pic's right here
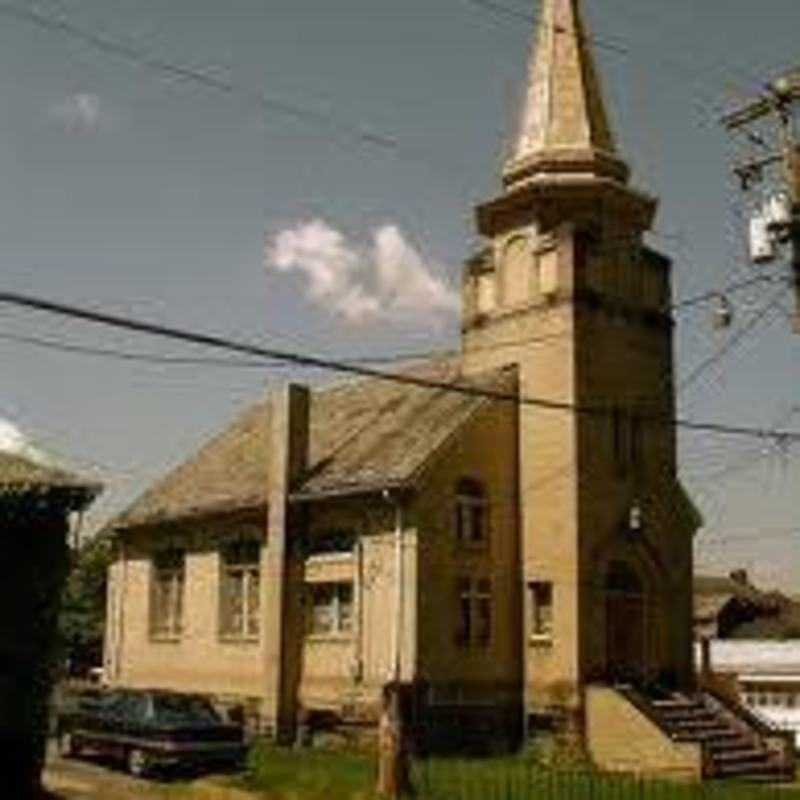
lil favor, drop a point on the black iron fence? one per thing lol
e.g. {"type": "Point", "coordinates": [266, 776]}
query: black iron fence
{"type": "Point", "coordinates": [521, 779]}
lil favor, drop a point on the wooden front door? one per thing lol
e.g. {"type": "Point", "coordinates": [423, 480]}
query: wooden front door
{"type": "Point", "coordinates": [626, 643]}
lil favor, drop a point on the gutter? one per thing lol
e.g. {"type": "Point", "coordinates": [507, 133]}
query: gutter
{"type": "Point", "coordinates": [354, 490]}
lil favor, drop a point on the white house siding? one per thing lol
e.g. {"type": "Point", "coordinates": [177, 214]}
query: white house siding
{"type": "Point", "coordinates": [768, 674]}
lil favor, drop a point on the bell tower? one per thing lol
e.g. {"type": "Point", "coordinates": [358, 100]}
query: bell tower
{"type": "Point", "coordinates": [566, 288]}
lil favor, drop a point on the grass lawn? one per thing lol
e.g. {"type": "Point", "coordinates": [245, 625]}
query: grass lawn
{"type": "Point", "coordinates": [280, 774]}
{"type": "Point", "coordinates": [310, 774]}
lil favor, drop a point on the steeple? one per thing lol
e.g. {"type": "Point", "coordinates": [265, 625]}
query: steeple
{"type": "Point", "coordinates": [564, 125]}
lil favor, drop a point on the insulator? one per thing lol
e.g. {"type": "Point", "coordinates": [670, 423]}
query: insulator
{"type": "Point", "coordinates": [722, 316]}
{"type": "Point", "coordinates": [762, 244]}
{"type": "Point", "coordinates": [778, 213]}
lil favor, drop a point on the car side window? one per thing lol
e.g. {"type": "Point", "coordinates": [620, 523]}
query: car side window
{"type": "Point", "coordinates": [134, 707]}
{"type": "Point", "coordinates": [110, 703]}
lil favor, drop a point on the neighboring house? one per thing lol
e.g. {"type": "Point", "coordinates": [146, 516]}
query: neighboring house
{"type": "Point", "coordinates": [733, 608]}
{"type": "Point", "coordinates": [500, 546]}
{"type": "Point", "coordinates": [36, 501]}
{"type": "Point", "coordinates": [765, 675]}
{"type": "Point", "coordinates": [752, 646]}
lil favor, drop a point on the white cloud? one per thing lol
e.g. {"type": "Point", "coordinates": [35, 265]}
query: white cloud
{"type": "Point", "coordinates": [14, 441]}
{"type": "Point", "coordinates": [386, 280]}
{"type": "Point", "coordinates": [79, 113]}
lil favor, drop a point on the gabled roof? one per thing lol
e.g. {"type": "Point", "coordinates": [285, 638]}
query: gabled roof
{"type": "Point", "coordinates": [364, 435]}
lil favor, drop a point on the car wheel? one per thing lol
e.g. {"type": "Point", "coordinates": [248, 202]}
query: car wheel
{"type": "Point", "coordinates": [137, 762]}
{"type": "Point", "coordinates": [67, 745]}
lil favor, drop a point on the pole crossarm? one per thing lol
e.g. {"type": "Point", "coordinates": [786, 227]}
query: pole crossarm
{"type": "Point", "coordinates": [780, 94]}
{"type": "Point", "coordinates": [750, 113]}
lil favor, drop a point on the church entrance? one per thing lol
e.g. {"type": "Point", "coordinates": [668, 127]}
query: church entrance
{"type": "Point", "coordinates": [626, 615]}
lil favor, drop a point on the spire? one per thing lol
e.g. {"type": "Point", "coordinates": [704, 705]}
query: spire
{"type": "Point", "coordinates": [564, 125]}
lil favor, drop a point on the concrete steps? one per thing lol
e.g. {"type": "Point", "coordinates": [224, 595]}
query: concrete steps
{"type": "Point", "coordinates": [733, 749]}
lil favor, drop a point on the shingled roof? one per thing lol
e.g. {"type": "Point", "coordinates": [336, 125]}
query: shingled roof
{"type": "Point", "coordinates": [364, 435]}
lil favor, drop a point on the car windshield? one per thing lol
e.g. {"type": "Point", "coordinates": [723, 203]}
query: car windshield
{"type": "Point", "coordinates": [184, 710]}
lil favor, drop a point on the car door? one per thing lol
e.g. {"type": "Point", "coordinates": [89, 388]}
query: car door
{"type": "Point", "coordinates": [95, 722]}
{"type": "Point", "coordinates": [133, 721]}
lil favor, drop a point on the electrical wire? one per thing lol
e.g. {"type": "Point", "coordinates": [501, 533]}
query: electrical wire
{"type": "Point", "coordinates": [135, 55]}
{"type": "Point", "coordinates": [513, 13]}
{"type": "Point", "coordinates": [153, 358]}
{"type": "Point", "coordinates": [301, 359]}
{"type": "Point", "coordinates": [729, 345]}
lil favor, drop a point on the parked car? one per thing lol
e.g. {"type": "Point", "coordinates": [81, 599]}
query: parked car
{"type": "Point", "coordinates": [149, 730]}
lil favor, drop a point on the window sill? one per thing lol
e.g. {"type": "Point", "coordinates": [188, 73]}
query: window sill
{"type": "Point", "coordinates": [165, 638]}
{"type": "Point", "coordinates": [541, 639]}
{"type": "Point", "coordinates": [325, 558]}
{"type": "Point", "coordinates": [330, 638]}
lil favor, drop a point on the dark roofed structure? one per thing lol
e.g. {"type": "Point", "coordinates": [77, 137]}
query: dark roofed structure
{"type": "Point", "coordinates": [36, 499]}
{"type": "Point", "coordinates": [365, 435]}
{"type": "Point", "coordinates": [20, 474]}
{"type": "Point", "coordinates": [29, 486]}
{"type": "Point", "coordinates": [733, 608]}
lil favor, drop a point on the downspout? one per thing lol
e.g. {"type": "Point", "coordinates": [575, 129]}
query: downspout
{"type": "Point", "coordinates": [396, 670]}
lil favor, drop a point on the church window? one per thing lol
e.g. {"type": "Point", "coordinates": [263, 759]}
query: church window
{"type": "Point", "coordinates": [240, 590]}
{"type": "Point", "coordinates": [627, 431]}
{"type": "Point", "coordinates": [166, 594]}
{"type": "Point", "coordinates": [541, 598]}
{"type": "Point", "coordinates": [474, 612]}
{"type": "Point", "coordinates": [471, 513]}
{"type": "Point", "coordinates": [331, 608]}
{"type": "Point", "coordinates": [547, 270]}
{"type": "Point", "coordinates": [517, 266]}
{"type": "Point", "coordinates": [486, 293]}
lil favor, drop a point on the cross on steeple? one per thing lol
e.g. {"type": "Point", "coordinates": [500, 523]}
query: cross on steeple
{"type": "Point", "coordinates": [564, 125]}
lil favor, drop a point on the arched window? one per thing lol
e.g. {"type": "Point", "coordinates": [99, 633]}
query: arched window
{"type": "Point", "coordinates": [517, 268]}
{"type": "Point", "coordinates": [471, 513]}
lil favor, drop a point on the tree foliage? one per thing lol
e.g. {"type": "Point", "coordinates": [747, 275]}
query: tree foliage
{"type": "Point", "coordinates": [83, 608]}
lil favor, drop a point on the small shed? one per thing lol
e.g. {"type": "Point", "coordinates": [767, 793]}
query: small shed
{"type": "Point", "coordinates": [36, 501]}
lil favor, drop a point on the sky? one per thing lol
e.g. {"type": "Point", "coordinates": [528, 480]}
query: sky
{"type": "Point", "coordinates": [333, 218]}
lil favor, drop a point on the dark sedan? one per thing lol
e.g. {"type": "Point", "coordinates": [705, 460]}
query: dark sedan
{"type": "Point", "coordinates": [150, 729]}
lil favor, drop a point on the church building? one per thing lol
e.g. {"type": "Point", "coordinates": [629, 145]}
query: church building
{"type": "Point", "coordinates": [503, 528]}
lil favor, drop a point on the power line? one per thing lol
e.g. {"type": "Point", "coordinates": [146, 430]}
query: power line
{"type": "Point", "coordinates": [733, 288]}
{"type": "Point", "coordinates": [499, 9]}
{"type": "Point", "coordinates": [729, 345]}
{"type": "Point", "coordinates": [513, 13]}
{"type": "Point", "coordinates": [137, 56]}
{"type": "Point", "coordinates": [300, 359]}
{"type": "Point", "coordinates": [153, 358]}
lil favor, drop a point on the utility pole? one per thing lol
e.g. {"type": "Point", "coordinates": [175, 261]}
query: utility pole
{"type": "Point", "coordinates": [768, 122]}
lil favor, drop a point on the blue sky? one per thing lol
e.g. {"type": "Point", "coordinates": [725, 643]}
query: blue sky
{"type": "Point", "coordinates": [154, 196]}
